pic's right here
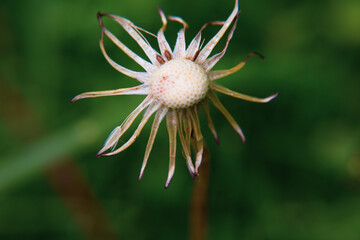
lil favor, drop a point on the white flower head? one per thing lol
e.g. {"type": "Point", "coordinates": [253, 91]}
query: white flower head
{"type": "Point", "coordinates": [176, 83]}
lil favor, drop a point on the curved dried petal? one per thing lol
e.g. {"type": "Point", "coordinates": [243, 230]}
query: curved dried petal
{"type": "Point", "coordinates": [179, 50]}
{"type": "Point", "coordinates": [112, 139]}
{"type": "Point", "coordinates": [179, 20]}
{"type": "Point", "coordinates": [199, 141]}
{"type": "Point", "coordinates": [151, 109]}
{"type": "Point", "coordinates": [134, 33]}
{"type": "Point", "coordinates": [186, 120]}
{"type": "Point", "coordinates": [163, 19]}
{"type": "Point", "coordinates": [210, 123]}
{"type": "Point", "coordinates": [141, 76]}
{"type": "Point", "coordinates": [210, 63]}
{"type": "Point", "coordinates": [180, 45]}
{"type": "Point", "coordinates": [186, 150]}
{"type": "Point", "coordinates": [193, 46]}
{"type": "Point", "coordinates": [171, 122]}
{"type": "Point", "coordinates": [231, 93]}
{"type": "Point", "coordinates": [145, 64]}
{"type": "Point", "coordinates": [158, 118]}
{"type": "Point", "coordinates": [205, 52]}
{"type": "Point", "coordinates": [214, 99]}
{"type": "Point", "coordinates": [127, 123]}
{"type": "Point", "coordinates": [193, 50]}
{"type": "Point", "coordinates": [163, 44]}
{"type": "Point", "coordinates": [138, 90]}
{"type": "Point", "coordinates": [223, 73]}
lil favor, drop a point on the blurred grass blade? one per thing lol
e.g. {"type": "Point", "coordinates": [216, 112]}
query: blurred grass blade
{"type": "Point", "coordinates": [47, 151]}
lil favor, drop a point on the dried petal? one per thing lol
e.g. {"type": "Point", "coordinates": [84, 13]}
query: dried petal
{"type": "Point", "coordinates": [171, 122]}
{"type": "Point", "coordinates": [210, 63]}
{"type": "Point", "coordinates": [163, 44]}
{"type": "Point", "coordinates": [231, 93]}
{"type": "Point", "coordinates": [214, 99]}
{"type": "Point", "coordinates": [128, 121]}
{"type": "Point", "coordinates": [158, 118]}
{"type": "Point", "coordinates": [223, 73]}
{"type": "Point", "coordinates": [138, 90]}
{"type": "Point", "coordinates": [199, 141]}
{"type": "Point", "coordinates": [145, 64]}
{"type": "Point", "coordinates": [210, 123]}
{"type": "Point", "coordinates": [134, 33]}
{"type": "Point", "coordinates": [151, 109]}
{"type": "Point", "coordinates": [180, 45]}
{"type": "Point", "coordinates": [205, 52]}
{"type": "Point", "coordinates": [186, 150]}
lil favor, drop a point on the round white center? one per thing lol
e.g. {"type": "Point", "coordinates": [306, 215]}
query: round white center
{"type": "Point", "coordinates": [179, 83]}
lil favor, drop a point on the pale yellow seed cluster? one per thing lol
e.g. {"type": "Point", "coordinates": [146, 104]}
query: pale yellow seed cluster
{"type": "Point", "coordinates": [179, 83]}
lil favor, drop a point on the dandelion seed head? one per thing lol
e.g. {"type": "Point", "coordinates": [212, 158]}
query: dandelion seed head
{"type": "Point", "coordinates": [179, 83]}
{"type": "Point", "coordinates": [176, 84]}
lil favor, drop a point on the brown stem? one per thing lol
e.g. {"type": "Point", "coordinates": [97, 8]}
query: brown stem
{"type": "Point", "coordinates": [71, 186]}
{"type": "Point", "coordinates": [199, 200]}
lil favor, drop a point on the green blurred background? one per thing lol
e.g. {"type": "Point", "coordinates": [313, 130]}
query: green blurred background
{"type": "Point", "coordinates": [296, 177]}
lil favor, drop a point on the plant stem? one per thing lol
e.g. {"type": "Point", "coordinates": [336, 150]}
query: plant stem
{"type": "Point", "coordinates": [199, 200]}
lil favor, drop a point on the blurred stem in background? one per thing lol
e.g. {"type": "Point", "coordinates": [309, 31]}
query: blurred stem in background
{"type": "Point", "coordinates": [64, 176]}
{"type": "Point", "coordinates": [199, 200]}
